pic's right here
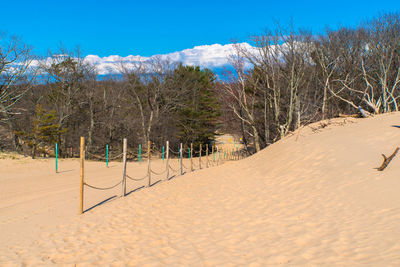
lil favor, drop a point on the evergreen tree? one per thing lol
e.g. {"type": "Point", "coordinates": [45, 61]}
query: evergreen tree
{"type": "Point", "coordinates": [199, 109]}
{"type": "Point", "coordinates": [45, 131]}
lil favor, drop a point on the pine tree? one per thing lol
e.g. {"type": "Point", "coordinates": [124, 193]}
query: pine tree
{"type": "Point", "coordinates": [45, 131]}
{"type": "Point", "coordinates": [197, 116]}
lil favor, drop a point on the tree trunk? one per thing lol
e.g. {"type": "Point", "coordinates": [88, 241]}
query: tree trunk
{"type": "Point", "coordinates": [246, 145]}
{"type": "Point", "coordinates": [256, 138]}
{"type": "Point", "coordinates": [91, 127]}
{"type": "Point", "coordinates": [266, 126]}
{"type": "Point", "coordinates": [324, 100]}
{"type": "Point", "coordinates": [298, 113]}
{"type": "Point", "coordinates": [33, 151]}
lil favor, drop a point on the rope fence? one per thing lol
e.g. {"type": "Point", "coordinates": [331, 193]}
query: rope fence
{"type": "Point", "coordinates": [103, 188]}
{"type": "Point", "coordinates": [216, 158]}
{"type": "Point", "coordinates": [138, 179]}
{"type": "Point", "coordinates": [104, 158]}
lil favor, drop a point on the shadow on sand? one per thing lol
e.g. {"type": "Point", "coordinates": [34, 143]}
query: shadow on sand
{"type": "Point", "coordinates": [65, 171]}
{"type": "Point", "coordinates": [128, 193]}
{"type": "Point", "coordinates": [100, 203]}
{"type": "Point", "coordinates": [134, 190]}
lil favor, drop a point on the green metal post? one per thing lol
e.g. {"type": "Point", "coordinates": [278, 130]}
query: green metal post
{"type": "Point", "coordinates": [163, 153]}
{"type": "Point", "coordinates": [56, 157]}
{"type": "Point", "coordinates": [107, 155]}
{"type": "Point", "coordinates": [140, 152]}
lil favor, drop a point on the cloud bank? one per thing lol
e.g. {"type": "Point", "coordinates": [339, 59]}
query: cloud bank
{"type": "Point", "coordinates": [206, 56]}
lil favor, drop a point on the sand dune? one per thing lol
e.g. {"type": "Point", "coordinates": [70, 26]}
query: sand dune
{"type": "Point", "coordinates": [313, 198]}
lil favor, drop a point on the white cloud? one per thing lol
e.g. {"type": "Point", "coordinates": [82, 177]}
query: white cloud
{"type": "Point", "coordinates": [207, 56]}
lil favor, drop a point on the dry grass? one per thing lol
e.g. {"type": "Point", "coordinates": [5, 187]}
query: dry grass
{"type": "Point", "coordinates": [11, 155]}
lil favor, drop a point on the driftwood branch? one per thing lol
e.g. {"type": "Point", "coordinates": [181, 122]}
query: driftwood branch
{"type": "Point", "coordinates": [386, 160]}
{"type": "Point", "coordinates": [349, 115]}
{"type": "Point", "coordinates": [364, 113]}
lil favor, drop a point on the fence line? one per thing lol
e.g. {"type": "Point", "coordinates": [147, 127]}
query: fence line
{"type": "Point", "coordinates": [215, 161]}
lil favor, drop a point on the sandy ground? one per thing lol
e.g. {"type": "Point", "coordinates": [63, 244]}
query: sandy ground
{"type": "Point", "coordinates": [313, 198]}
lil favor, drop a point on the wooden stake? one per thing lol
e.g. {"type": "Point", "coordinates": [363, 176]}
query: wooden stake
{"type": "Point", "coordinates": [216, 152]}
{"type": "Point", "coordinates": [125, 144]}
{"type": "Point", "coordinates": [148, 161]}
{"type": "Point", "coordinates": [212, 152]}
{"type": "Point", "coordinates": [82, 161]}
{"type": "Point", "coordinates": [207, 156]}
{"type": "Point", "coordinates": [191, 157]}
{"type": "Point", "coordinates": [200, 156]}
{"type": "Point", "coordinates": [167, 165]}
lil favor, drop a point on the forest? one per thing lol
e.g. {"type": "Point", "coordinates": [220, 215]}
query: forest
{"type": "Point", "coordinates": [289, 78]}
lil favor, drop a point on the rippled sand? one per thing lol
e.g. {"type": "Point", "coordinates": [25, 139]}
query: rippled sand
{"type": "Point", "coordinates": [313, 198]}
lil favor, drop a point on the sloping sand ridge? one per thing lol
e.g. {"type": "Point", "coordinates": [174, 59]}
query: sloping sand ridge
{"type": "Point", "coordinates": [313, 198]}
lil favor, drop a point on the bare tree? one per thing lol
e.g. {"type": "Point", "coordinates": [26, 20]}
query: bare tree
{"type": "Point", "coordinates": [325, 55]}
{"type": "Point", "coordinates": [380, 62]}
{"type": "Point", "coordinates": [66, 73]}
{"type": "Point", "coordinates": [239, 96]}
{"type": "Point", "coordinates": [368, 65]}
{"type": "Point", "coordinates": [145, 84]}
{"type": "Point", "coordinates": [280, 62]}
{"type": "Point", "coordinates": [15, 81]}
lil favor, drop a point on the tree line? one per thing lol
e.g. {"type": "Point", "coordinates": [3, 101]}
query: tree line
{"type": "Point", "coordinates": [286, 79]}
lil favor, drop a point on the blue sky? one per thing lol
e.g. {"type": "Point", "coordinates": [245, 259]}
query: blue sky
{"type": "Point", "coordinates": [157, 27]}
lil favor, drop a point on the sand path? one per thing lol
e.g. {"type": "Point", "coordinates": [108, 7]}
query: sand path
{"type": "Point", "coordinates": [310, 199]}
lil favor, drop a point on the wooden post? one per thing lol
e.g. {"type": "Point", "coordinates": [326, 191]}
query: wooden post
{"type": "Point", "coordinates": [148, 162]}
{"type": "Point", "coordinates": [212, 152]}
{"type": "Point", "coordinates": [167, 165]}
{"type": "Point", "coordinates": [124, 146]}
{"type": "Point", "coordinates": [207, 156]}
{"type": "Point", "coordinates": [200, 156]}
{"type": "Point", "coordinates": [218, 155]}
{"type": "Point", "coordinates": [191, 157]}
{"type": "Point", "coordinates": [82, 173]}
{"type": "Point", "coordinates": [180, 153]}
